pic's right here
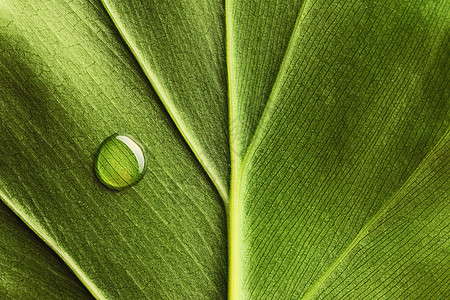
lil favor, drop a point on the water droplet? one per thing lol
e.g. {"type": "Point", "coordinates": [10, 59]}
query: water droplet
{"type": "Point", "coordinates": [120, 162]}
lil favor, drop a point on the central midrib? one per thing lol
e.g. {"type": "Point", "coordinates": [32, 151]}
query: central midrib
{"type": "Point", "coordinates": [237, 163]}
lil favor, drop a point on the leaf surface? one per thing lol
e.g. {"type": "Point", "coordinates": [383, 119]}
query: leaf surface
{"type": "Point", "coordinates": [258, 37]}
{"type": "Point", "coordinates": [181, 48]}
{"type": "Point", "coordinates": [360, 100]}
{"type": "Point", "coordinates": [30, 269]}
{"type": "Point", "coordinates": [70, 82]}
{"type": "Point", "coordinates": [333, 116]}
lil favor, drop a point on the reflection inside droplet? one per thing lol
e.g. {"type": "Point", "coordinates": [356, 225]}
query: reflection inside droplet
{"type": "Point", "coordinates": [120, 162]}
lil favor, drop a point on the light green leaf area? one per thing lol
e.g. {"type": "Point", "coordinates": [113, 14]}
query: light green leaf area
{"type": "Point", "coordinates": [295, 149]}
{"type": "Point", "coordinates": [361, 98]}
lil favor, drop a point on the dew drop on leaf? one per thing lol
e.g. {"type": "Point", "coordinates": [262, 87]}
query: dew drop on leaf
{"type": "Point", "coordinates": [120, 162]}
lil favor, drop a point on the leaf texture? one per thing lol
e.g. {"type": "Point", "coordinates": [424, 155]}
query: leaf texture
{"type": "Point", "coordinates": [258, 36]}
{"type": "Point", "coordinates": [361, 99]}
{"type": "Point", "coordinates": [30, 269]}
{"type": "Point", "coordinates": [70, 83]}
{"type": "Point", "coordinates": [318, 129]}
{"type": "Point", "coordinates": [181, 48]}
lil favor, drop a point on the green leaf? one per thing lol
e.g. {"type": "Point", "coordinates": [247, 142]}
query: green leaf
{"type": "Point", "coordinates": [324, 125]}
{"type": "Point", "coordinates": [258, 36]}
{"type": "Point", "coordinates": [70, 82]}
{"type": "Point", "coordinates": [360, 100]}
{"type": "Point", "coordinates": [29, 268]}
{"type": "Point", "coordinates": [192, 84]}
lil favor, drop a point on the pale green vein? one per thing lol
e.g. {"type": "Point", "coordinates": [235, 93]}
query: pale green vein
{"type": "Point", "coordinates": [363, 232]}
{"type": "Point", "coordinates": [234, 273]}
{"type": "Point", "coordinates": [168, 104]}
{"type": "Point", "coordinates": [276, 85]}
{"type": "Point", "coordinates": [84, 278]}
{"type": "Point", "coordinates": [238, 165]}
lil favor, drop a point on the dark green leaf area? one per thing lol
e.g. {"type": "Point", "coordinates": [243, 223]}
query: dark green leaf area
{"type": "Point", "coordinates": [29, 268]}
